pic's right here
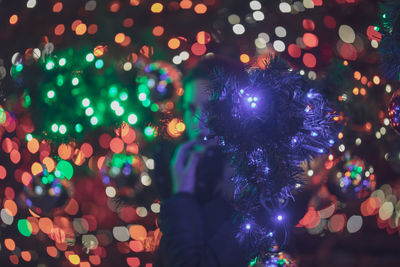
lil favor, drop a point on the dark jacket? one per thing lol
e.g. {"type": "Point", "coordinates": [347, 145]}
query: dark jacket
{"type": "Point", "coordinates": [198, 236]}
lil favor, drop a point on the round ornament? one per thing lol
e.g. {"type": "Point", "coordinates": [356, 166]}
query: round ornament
{"type": "Point", "coordinates": [394, 111]}
{"type": "Point", "coordinates": [352, 178]}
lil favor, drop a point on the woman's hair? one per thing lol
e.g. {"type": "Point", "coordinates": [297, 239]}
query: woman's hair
{"type": "Point", "coordinates": [206, 68]}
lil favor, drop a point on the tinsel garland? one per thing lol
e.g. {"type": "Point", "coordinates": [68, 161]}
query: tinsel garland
{"type": "Point", "coordinates": [268, 124]}
{"type": "Point", "coordinates": [390, 45]}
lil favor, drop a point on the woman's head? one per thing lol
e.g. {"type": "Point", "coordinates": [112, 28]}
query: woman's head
{"type": "Point", "coordinates": [196, 84]}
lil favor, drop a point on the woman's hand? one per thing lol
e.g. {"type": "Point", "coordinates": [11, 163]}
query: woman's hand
{"type": "Point", "coordinates": [183, 166]}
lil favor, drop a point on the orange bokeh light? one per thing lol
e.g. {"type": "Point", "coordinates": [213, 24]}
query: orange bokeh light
{"type": "Point", "coordinates": [57, 7]}
{"type": "Point", "coordinates": [99, 50]}
{"type": "Point", "coordinates": [174, 43]}
{"type": "Point", "coordinates": [26, 178]}
{"type": "Point", "coordinates": [13, 19]}
{"type": "Point", "coordinates": [156, 8]}
{"type": "Point", "coordinates": [65, 151]}
{"type": "Point", "coordinates": [203, 37]}
{"type": "Point", "coordinates": [15, 156]}
{"type": "Point", "coordinates": [198, 49]}
{"type": "Point", "coordinates": [200, 8]}
{"type": "Point", "coordinates": [81, 29]}
{"type": "Point", "coordinates": [128, 22]}
{"type": "Point", "coordinates": [87, 150]}
{"type": "Point", "coordinates": [92, 29]}
{"type": "Point", "coordinates": [158, 30]}
{"type": "Point", "coordinates": [45, 225]}
{"type": "Point", "coordinates": [116, 145]}
{"type": "Point", "coordinates": [26, 256]}
{"type": "Point", "coordinates": [185, 4]}
{"type": "Point", "coordinates": [119, 38]}
{"type": "Point", "coordinates": [59, 29]}
{"type": "Point", "coordinates": [10, 207]}
{"type": "Point", "coordinates": [49, 163]}
{"type": "Point", "coordinates": [310, 39]}
{"type": "Point", "coordinates": [36, 168]}
{"type": "Point", "coordinates": [376, 79]}
{"type": "Point", "coordinates": [244, 58]}
{"type": "Point", "coordinates": [33, 145]}
{"type": "Point", "coordinates": [52, 251]}
{"type": "Point", "coordinates": [3, 172]}
{"type": "Point", "coordinates": [114, 7]}
{"type": "Point", "coordinates": [9, 244]}
{"type": "Point", "coordinates": [309, 60]}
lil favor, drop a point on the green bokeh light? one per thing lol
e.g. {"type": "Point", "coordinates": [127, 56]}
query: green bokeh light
{"type": "Point", "coordinates": [154, 107]}
{"type": "Point", "coordinates": [85, 102]}
{"type": "Point", "coordinates": [3, 115]}
{"type": "Point", "coordinates": [28, 101]}
{"type": "Point", "coordinates": [78, 128]}
{"type": "Point", "coordinates": [146, 103]}
{"type": "Point", "coordinates": [75, 81]}
{"type": "Point", "coordinates": [114, 105]}
{"type": "Point", "coordinates": [50, 178]}
{"type": "Point", "coordinates": [89, 57]}
{"type": "Point", "coordinates": [19, 67]}
{"type": "Point", "coordinates": [142, 96]}
{"type": "Point", "coordinates": [45, 180]}
{"type": "Point", "coordinates": [65, 168]}
{"type": "Point", "coordinates": [132, 118]}
{"type": "Point", "coordinates": [28, 137]}
{"type": "Point", "coordinates": [94, 120]}
{"type": "Point", "coordinates": [149, 131]}
{"type": "Point", "coordinates": [24, 227]}
{"type": "Point", "coordinates": [89, 111]}
{"type": "Point", "coordinates": [99, 64]}
{"type": "Point", "coordinates": [50, 65]}
{"type": "Point", "coordinates": [51, 94]}
{"type": "Point", "coordinates": [62, 129]}
{"type": "Point", "coordinates": [119, 111]}
{"type": "Point", "coordinates": [54, 127]}
{"type": "Point", "coordinates": [62, 62]}
{"type": "Point", "coordinates": [112, 91]}
{"type": "Point", "coordinates": [123, 96]}
{"type": "Point", "coordinates": [60, 80]}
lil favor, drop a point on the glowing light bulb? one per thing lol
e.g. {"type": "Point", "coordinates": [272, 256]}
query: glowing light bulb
{"type": "Point", "coordinates": [50, 65]}
{"type": "Point", "coordinates": [85, 102]}
{"type": "Point", "coordinates": [142, 97]}
{"type": "Point", "coordinates": [89, 111]}
{"type": "Point", "coordinates": [94, 120]}
{"type": "Point", "coordinates": [62, 129]}
{"type": "Point", "coordinates": [62, 62]}
{"type": "Point", "coordinates": [132, 118]}
{"type": "Point", "coordinates": [75, 81]}
{"type": "Point", "coordinates": [51, 94]}
{"type": "Point", "coordinates": [89, 57]}
{"type": "Point", "coordinates": [54, 127]}
{"type": "Point", "coordinates": [114, 105]}
{"type": "Point", "coordinates": [99, 64]}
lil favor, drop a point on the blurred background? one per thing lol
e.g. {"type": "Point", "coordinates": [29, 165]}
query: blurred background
{"type": "Point", "coordinates": [91, 114]}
